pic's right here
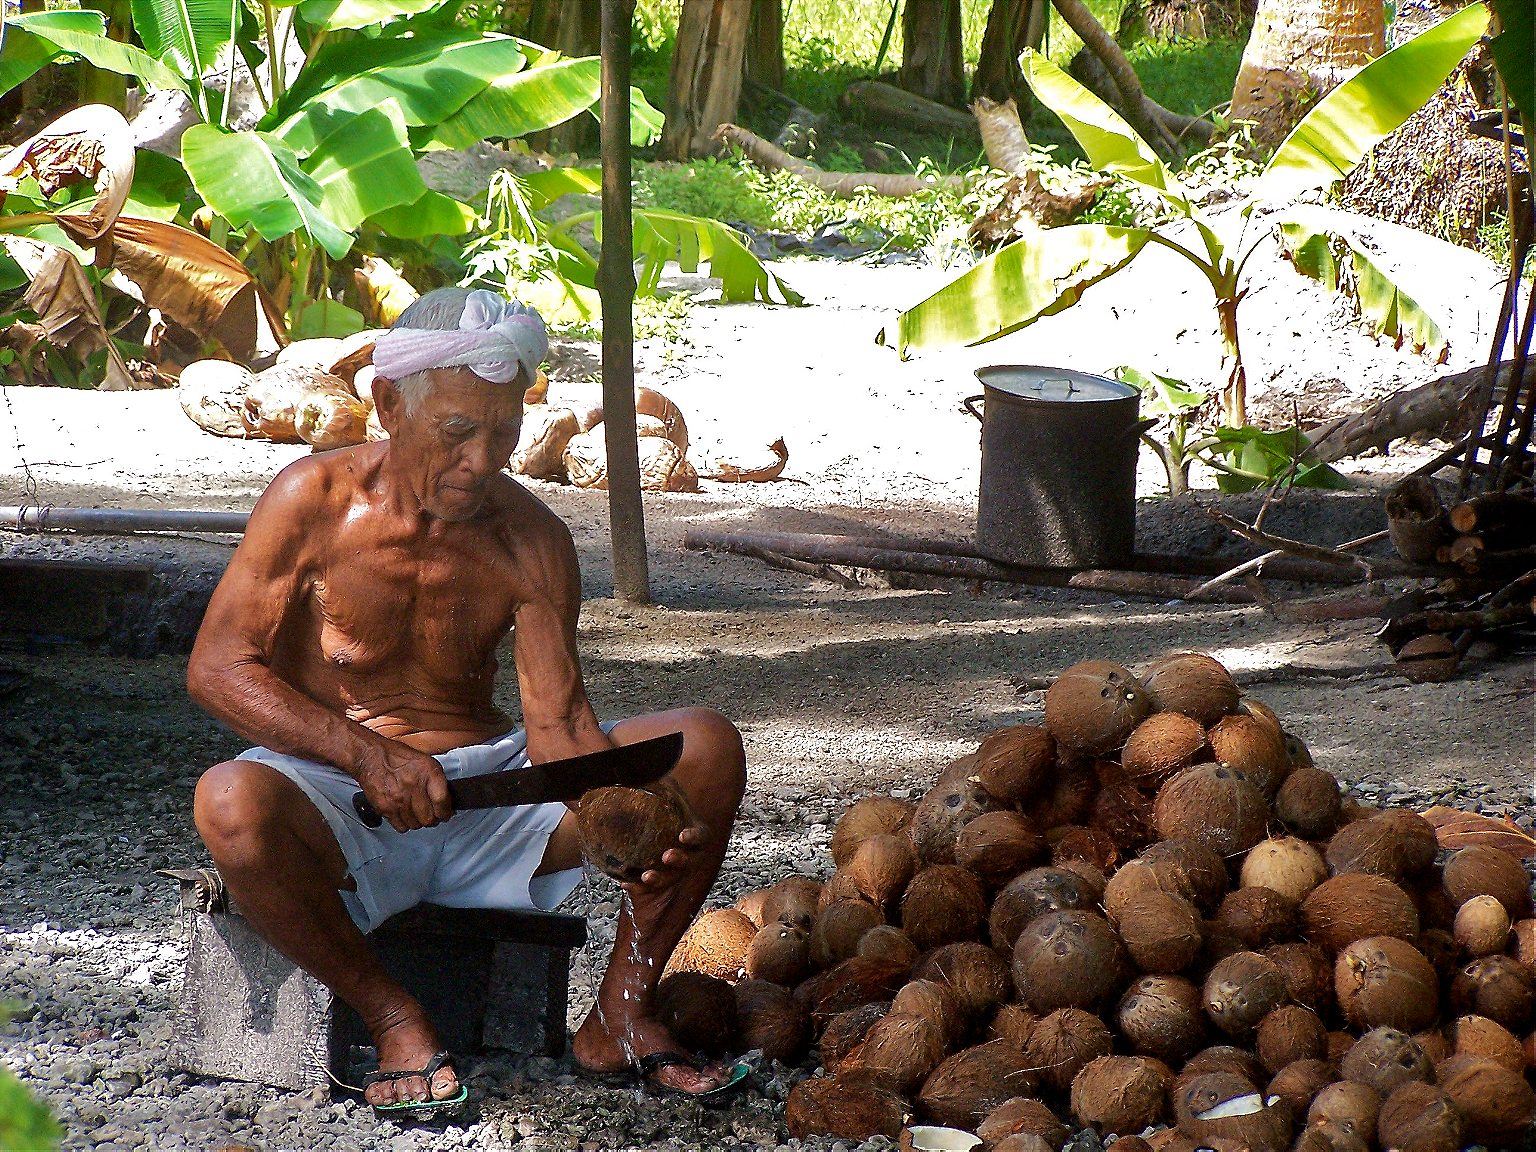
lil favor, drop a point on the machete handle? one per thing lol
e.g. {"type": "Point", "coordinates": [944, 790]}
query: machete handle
{"type": "Point", "coordinates": [365, 811]}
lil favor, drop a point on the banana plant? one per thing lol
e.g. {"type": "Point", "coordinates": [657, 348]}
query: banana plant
{"type": "Point", "coordinates": [1046, 273]}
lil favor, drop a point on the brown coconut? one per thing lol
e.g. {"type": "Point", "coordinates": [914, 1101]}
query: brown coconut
{"type": "Point", "coordinates": [1240, 991]}
{"type": "Point", "coordinates": [1524, 945]}
{"type": "Point", "coordinates": [977, 974]}
{"type": "Point", "coordinates": [899, 1050]}
{"type": "Point", "coordinates": [1497, 1106]}
{"type": "Point", "coordinates": [1382, 981]}
{"type": "Point", "coordinates": [1484, 1038]}
{"type": "Point", "coordinates": [1161, 932]}
{"type": "Point", "coordinates": [1221, 1106]}
{"type": "Point", "coordinates": [792, 900]}
{"type": "Point", "coordinates": [1123, 814]}
{"type": "Point", "coordinates": [1073, 786]}
{"type": "Point", "coordinates": [1063, 1043]}
{"type": "Point", "coordinates": [871, 816]}
{"type": "Point", "coordinates": [839, 886]}
{"type": "Point", "coordinates": [1130, 880]}
{"type": "Point", "coordinates": [1483, 870]}
{"type": "Point", "coordinates": [1094, 705]}
{"type": "Point", "coordinates": [971, 1083]}
{"type": "Point", "coordinates": [716, 944]}
{"type": "Point", "coordinates": [1284, 864]}
{"type": "Point", "coordinates": [1307, 972]}
{"type": "Point", "coordinates": [1329, 1137]}
{"type": "Point", "coordinates": [836, 933]}
{"type": "Point", "coordinates": [934, 1001]}
{"type": "Point", "coordinates": [1395, 844]}
{"type": "Point", "coordinates": [1309, 803]}
{"type": "Point", "coordinates": [1356, 905]}
{"type": "Point", "coordinates": [750, 904]}
{"type": "Point", "coordinates": [1121, 1093]}
{"type": "Point", "coordinates": [846, 1031]}
{"type": "Point", "coordinates": [1214, 806]}
{"type": "Point", "coordinates": [1189, 869]}
{"type": "Point", "coordinates": [769, 1020]}
{"type": "Point", "coordinates": [1249, 706]}
{"type": "Point", "coordinates": [1095, 877]}
{"type": "Point", "coordinates": [1255, 917]}
{"type": "Point", "coordinates": [1290, 1033]}
{"type": "Point", "coordinates": [1252, 747]}
{"type": "Point", "coordinates": [943, 811]}
{"type": "Point", "coordinates": [1481, 926]}
{"type": "Point", "coordinates": [1077, 844]}
{"type": "Point", "coordinates": [1162, 1016]}
{"type": "Point", "coordinates": [1034, 893]}
{"type": "Point", "coordinates": [780, 954]}
{"type": "Point", "coordinates": [699, 1011]}
{"type": "Point", "coordinates": [1440, 949]}
{"type": "Point", "coordinates": [997, 846]}
{"type": "Point", "coordinates": [1383, 1059]}
{"type": "Point", "coordinates": [1347, 1103]}
{"type": "Point", "coordinates": [1021, 1142]}
{"type": "Point", "coordinates": [1222, 1058]}
{"type": "Point", "coordinates": [1013, 763]}
{"type": "Point", "coordinates": [1419, 1117]}
{"type": "Point", "coordinates": [881, 866]}
{"type": "Point", "coordinates": [852, 1109]}
{"type": "Point", "coordinates": [944, 903]}
{"type": "Point", "coordinates": [1498, 987]}
{"type": "Point", "coordinates": [624, 831]}
{"type": "Point", "coordinates": [1163, 745]}
{"type": "Point", "coordinates": [1193, 684]}
{"type": "Point", "coordinates": [1436, 1047]}
{"type": "Point", "coordinates": [1298, 1082]}
{"type": "Point", "coordinates": [890, 944]}
{"type": "Point", "coordinates": [1022, 1114]}
{"type": "Point", "coordinates": [1068, 959]}
{"type": "Point", "coordinates": [858, 980]}
{"type": "Point", "coordinates": [1013, 1023]}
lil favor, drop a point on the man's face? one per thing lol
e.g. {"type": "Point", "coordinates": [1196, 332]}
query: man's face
{"type": "Point", "coordinates": [461, 435]}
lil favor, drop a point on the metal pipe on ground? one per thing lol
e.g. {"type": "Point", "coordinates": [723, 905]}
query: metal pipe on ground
{"type": "Point", "coordinates": [120, 521]}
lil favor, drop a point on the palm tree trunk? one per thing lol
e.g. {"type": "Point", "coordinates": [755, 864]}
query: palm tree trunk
{"type": "Point", "coordinates": [932, 53]}
{"type": "Point", "coordinates": [1012, 26]}
{"type": "Point", "coordinates": [706, 75]}
{"type": "Point", "coordinates": [1298, 52]}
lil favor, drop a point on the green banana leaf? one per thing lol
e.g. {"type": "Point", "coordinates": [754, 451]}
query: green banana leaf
{"type": "Point", "coordinates": [1368, 107]}
{"type": "Point", "coordinates": [645, 121]}
{"type": "Point", "coordinates": [325, 318]}
{"type": "Point", "coordinates": [1015, 286]}
{"type": "Point", "coordinates": [254, 179]}
{"type": "Point", "coordinates": [1246, 458]}
{"type": "Point", "coordinates": [77, 33]}
{"type": "Point", "coordinates": [544, 188]}
{"type": "Point", "coordinates": [25, 1122]}
{"type": "Point", "coordinates": [1160, 395]}
{"type": "Point", "coordinates": [1515, 57]}
{"type": "Point", "coordinates": [1110, 144]}
{"type": "Point", "coordinates": [523, 102]}
{"type": "Point", "coordinates": [333, 15]}
{"type": "Point", "coordinates": [365, 167]}
{"type": "Point", "coordinates": [430, 214]}
{"type": "Point", "coordinates": [661, 236]}
{"type": "Point", "coordinates": [185, 34]}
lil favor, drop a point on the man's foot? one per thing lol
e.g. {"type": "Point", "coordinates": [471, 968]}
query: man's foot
{"type": "Point", "coordinates": [408, 1045]}
{"type": "Point", "coordinates": [643, 1047]}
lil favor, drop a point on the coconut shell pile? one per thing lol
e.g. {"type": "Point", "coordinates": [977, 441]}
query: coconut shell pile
{"type": "Point", "coordinates": [1152, 916]}
{"type": "Point", "coordinates": [320, 392]}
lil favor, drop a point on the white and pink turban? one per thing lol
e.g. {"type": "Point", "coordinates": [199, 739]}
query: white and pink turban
{"type": "Point", "coordinates": [495, 337]}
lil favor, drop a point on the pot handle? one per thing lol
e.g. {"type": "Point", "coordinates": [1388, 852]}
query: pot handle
{"type": "Point", "coordinates": [969, 404]}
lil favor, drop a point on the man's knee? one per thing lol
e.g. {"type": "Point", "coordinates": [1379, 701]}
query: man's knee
{"type": "Point", "coordinates": [716, 744]}
{"type": "Point", "coordinates": [235, 802]}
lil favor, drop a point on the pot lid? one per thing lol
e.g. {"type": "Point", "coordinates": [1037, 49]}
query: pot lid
{"type": "Point", "coordinates": [1032, 382]}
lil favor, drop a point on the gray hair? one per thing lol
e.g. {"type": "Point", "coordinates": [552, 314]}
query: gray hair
{"type": "Point", "coordinates": [438, 311]}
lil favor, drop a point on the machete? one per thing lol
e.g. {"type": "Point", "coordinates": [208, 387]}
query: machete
{"type": "Point", "coordinates": [628, 766]}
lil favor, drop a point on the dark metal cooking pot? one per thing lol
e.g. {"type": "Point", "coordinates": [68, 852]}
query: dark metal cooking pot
{"type": "Point", "coordinates": [1058, 467]}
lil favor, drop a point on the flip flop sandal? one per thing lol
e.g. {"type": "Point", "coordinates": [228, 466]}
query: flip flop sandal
{"type": "Point", "coordinates": [651, 1063]}
{"type": "Point", "coordinates": [417, 1109]}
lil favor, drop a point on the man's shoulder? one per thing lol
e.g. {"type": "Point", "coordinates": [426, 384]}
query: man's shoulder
{"type": "Point", "coordinates": [314, 477]}
{"type": "Point", "coordinates": [523, 521]}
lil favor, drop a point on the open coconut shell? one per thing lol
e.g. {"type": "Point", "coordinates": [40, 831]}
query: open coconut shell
{"type": "Point", "coordinates": [716, 944]}
{"type": "Point", "coordinates": [1219, 1106]}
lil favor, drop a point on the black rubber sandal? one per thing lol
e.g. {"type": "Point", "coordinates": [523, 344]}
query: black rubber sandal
{"type": "Point", "coordinates": [417, 1109]}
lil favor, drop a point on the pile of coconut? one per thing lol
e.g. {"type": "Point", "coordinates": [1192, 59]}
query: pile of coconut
{"type": "Point", "coordinates": [1152, 916]}
{"type": "Point", "coordinates": [320, 392]}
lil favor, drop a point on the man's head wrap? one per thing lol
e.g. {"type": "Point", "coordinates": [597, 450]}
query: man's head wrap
{"type": "Point", "coordinates": [495, 337]}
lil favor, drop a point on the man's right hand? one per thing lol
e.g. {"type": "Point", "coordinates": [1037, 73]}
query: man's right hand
{"type": "Point", "coordinates": [406, 787]}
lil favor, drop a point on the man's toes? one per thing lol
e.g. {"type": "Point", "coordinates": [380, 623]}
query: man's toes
{"type": "Point", "coordinates": [444, 1084]}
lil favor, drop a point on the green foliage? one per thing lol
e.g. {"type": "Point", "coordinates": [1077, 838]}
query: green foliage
{"type": "Point", "coordinates": [25, 1124]}
{"type": "Point", "coordinates": [718, 189]}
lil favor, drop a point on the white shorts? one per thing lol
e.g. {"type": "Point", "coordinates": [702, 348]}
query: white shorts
{"type": "Point", "coordinates": [478, 858]}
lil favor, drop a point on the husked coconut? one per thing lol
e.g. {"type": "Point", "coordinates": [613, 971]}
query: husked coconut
{"type": "Point", "coordinates": [1256, 917]}
{"type": "Point", "coordinates": [1484, 1038]}
{"type": "Point", "coordinates": [1193, 684]}
{"type": "Point", "coordinates": [1240, 1062]}
{"type": "Point", "coordinates": [624, 831]}
{"type": "Point", "coordinates": [792, 900]}
{"type": "Point", "coordinates": [1076, 844]}
{"type": "Point", "coordinates": [977, 975]}
{"type": "Point", "coordinates": [1063, 1043]}
{"type": "Point", "coordinates": [1021, 1142]}
{"type": "Point", "coordinates": [1162, 745]}
{"type": "Point", "coordinates": [971, 1083]}
{"type": "Point", "coordinates": [1220, 1106]}
{"type": "Point", "coordinates": [1241, 990]}
{"type": "Point", "coordinates": [1329, 1137]}
{"type": "Point", "coordinates": [1497, 1106]}
{"type": "Point", "coordinates": [716, 944]}
{"type": "Point", "coordinates": [839, 886]}
{"type": "Point", "coordinates": [835, 935]}
{"type": "Point", "coordinates": [541, 445]}
{"type": "Point", "coordinates": [934, 1001]}
{"type": "Point", "coordinates": [871, 816]}
{"type": "Point", "coordinates": [899, 1050]}
{"type": "Point", "coordinates": [1395, 844]}
{"type": "Point", "coordinates": [1355, 905]}
{"type": "Point", "coordinates": [1290, 1033]}
{"type": "Point", "coordinates": [1524, 947]}
{"type": "Point", "coordinates": [1307, 972]}
{"type": "Point", "coordinates": [1131, 879]}
{"type": "Point", "coordinates": [1121, 1093]}
{"type": "Point", "coordinates": [781, 954]}
{"type": "Point", "coordinates": [1162, 1016]}
{"type": "Point", "coordinates": [1124, 815]}
{"type": "Point", "coordinates": [1013, 1023]}
{"type": "Point", "coordinates": [1094, 705]}
{"type": "Point", "coordinates": [1483, 870]}
{"type": "Point", "coordinates": [1348, 1103]}
{"type": "Point", "coordinates": [942, 812]}
{"type": "Point", "coordinates": [1248, 706]}
{"type": "Point", "coordinates": [1436, 1047]}
{"type": "Point", "coordinates": [1252, 747]}
{"type": "Point", "coordinates": [1286, 865]}
{"type": "Point", "coordinates": [1069, 799]}
{"type": "Point", "coordinates": [1498, 987]}
{"type": "Point", "coordinates": [890, 944]}
{"type": "Point", "coordinates": [1214, 806]}
{"type": "Point", "coordinates": [881, 866]}
{"type": "Point", "coordinates": [1482, 926]}
{"type": "Point", "coordinates": [858, 980]}
{"type": "Point", "coordinates": [750, 904]}
{"type": "Point", "coordinates": [944, 903]}
{"type": "Point", "coordinates": [1095, 877]}
{"type": "Point", "coordinates": [1382, 981]}
{"type": "Point", "coordinates": [699, 1011]}
{"type": "Point", "coordinates": [1309, 803]}
{"type": "Point", "coordinates": [1013, 763]}
{"type": "Point", "coordinates": [1189, 869]}
{"type": "Point", "coordinates": [846, 1031]}
{"type": "Point", "coordinates": [769, 1020]}
{"type": "Point", "coordinates": [1161, 932]}
{"type": "Point", "coordinates": [997, 846]}
{"type": "Point", "coordinates": [1419, 1117]}
{"type": "Point", "coordinates": [1068, 959]}
{"type": "Point", "coordinates": [1384, 1058]}
{"type": "Point", "coordinates": [1022, 1114]}
{"type": "Point", "coordinates": [1298, 1082]}
{"type": "Point", "coordinates": [852, 1109]}
{"type": "Point", "coordinates": [1034, 893]}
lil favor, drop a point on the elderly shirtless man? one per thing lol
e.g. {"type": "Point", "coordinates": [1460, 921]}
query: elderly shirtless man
{"type": "Point", "coordinates": [354, 637]}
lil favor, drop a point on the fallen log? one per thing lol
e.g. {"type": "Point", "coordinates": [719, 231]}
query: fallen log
{"type": "Point", "coordinates": [880, 104]}
{"type": "Point", "coordinates": [1497, 515]}
{"type": "Point", "coordinates": [1025, 203]}
{"type": "Point", "coordinates": [845, 184]}
{"type": "Point", "coordinates": [1371, 566]}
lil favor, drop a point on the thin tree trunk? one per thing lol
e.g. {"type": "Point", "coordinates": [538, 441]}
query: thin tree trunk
{"type": "Point", "coordinates": [579, 34]}
{"type": "Point", "coordinates": [1012, 26]}
{"type": "Point", "coordinates": [765, 44]}
{"type": "Point", "coordinates": [1298, 52]}
{"type": "Point", "coordinates": [706, 75]}
{"type": "Point", "coordinates": [932, 52]}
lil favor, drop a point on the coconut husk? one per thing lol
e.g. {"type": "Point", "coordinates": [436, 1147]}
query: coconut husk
{"type": "Point", "coordinates": [1063, 1043]}
{"type": "Point", "coordinates": [1483, 870]}
{"type": "Point", "coordinates": [779, 954]}
{"type": "Point", "coordinates": [971, 1083]}
{"type": "Point", "coordinates": [1077, 844]}
{"type": "Point", "coordinates": [1309, 803]}
{"type": "Point", "coordinates": [1256, 917]}
{"type": "Point", "coordinates": [1121, 1093]}
{"type": "Point", "coordinates": [716, 944]}
{"type": "Point", "coordinates": [1123, 814]}
{"type": "Point", "coordinates": [975, 973]}
{"type": "Point", "coordinates": [997, 846]}
{"type": "Point", "coordinates": [1252, 746]}
{"type": "Point", "coordinates": [1421, 1117]}
{"type": "Point", "coordinates": [881, 866]}
{"type": "Point", "coordinates": [1486, 1039]}
{"type": "Point", "coordinates": [1382, 981]}
{"type": "Point", "coordinates": [871, 816]}
{"type": "Point", "coordinates": [1162, 932]}
{"type": "Point", "coordinates": [1013, 1023]}
{"type": "Point", "coordinates": [1214, 806]}
{"type": "Point", "coordinates": [750, 904]}
{"type": "Point", "coordinates": [1498, 987]}
{"type": "Point", "coordinates": [845, 1031]}
{"type": "Point", "coordinates": [890, 944]}
{"type": "Point", "coordinates": [274, 399]}
{"type": "Point", "coordinates": [1190, 869]}
{"type": "Point", "coordinates": [1347, 1103]}
{"type": "Point", "coordinates": [1192, 684]}
{"type": "Point", "coordinates": [934, 1001]}
{"type": "Point", "coordinates": [835, 935]}
{"type": "Point", "coordinates": [1013, 763]}
{"type": "Point", "coordinates": [663, 465]}
{"type": "Point", "coordinates": [1307, 972]}
{"type": "Point", "coordinates": [1290, 1033]}
{"type": "Point", "coordinates": [942, 812]}
{"type": "Point", "coordinates": [1070, 797]}
{"type": "Point", "coordinates": [1298, 1082]}
{"type": "Point", "coordinates": [849, 1109]}
{"type": "Point", "coordinates": [1497, 1106]}
{"type": "Point", "coordinates": [1396, 844]}
{"type": "Point", "coordinates": [792, 900]}
{"type": "Point", "coordinates": [1286, 865]}
{"type": "Point", "coordinates": [1022, 1114]}
{"type": "Point", "coordinates": [699, 1011]}
{"type": "Point", "coordinates": [769, 1020]}
{"type": "Point", "coordinates": [900, 1050]}
{"type": "Point", "coordinates": [1384, 1058]}
{"type": "Point", "coordinates": [1356, 905]}
{"type": "Point", "coordinates": [1160, 747]}
{"type": "Point", "coordinates": [1481, 926]}
{"type": "Point", "coordinates": [858, 980]}
{"type": "Point", "coordinates": [212, 394]}
{"type": "Point", "coordinates": [547, 432]}
{"type": "Point", "coordinates": [1094, 705]}
{"type": "Point", "coordinates": [944, 903]}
